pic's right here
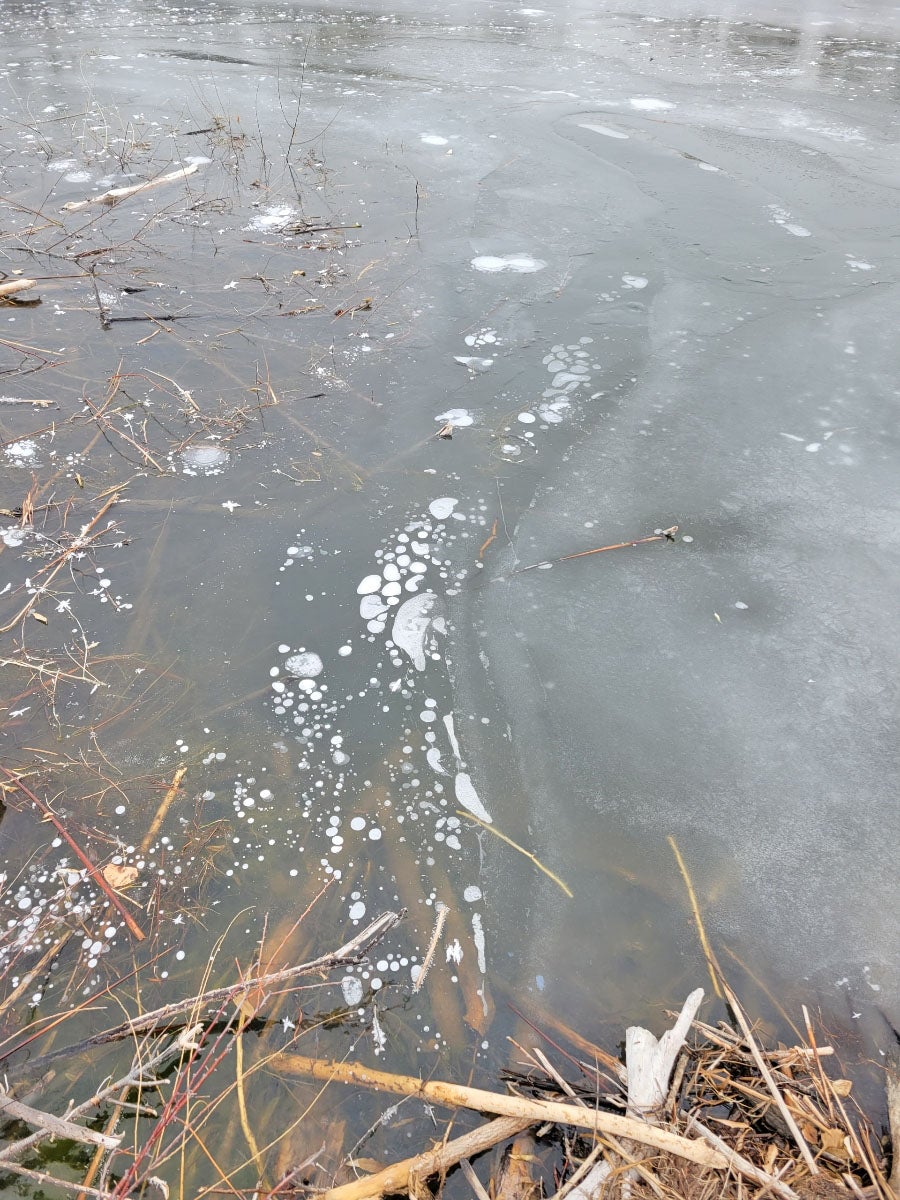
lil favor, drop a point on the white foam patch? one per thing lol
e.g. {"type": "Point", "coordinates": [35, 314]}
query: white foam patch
{"type": "Point", "coordinates": [273, 217]}
{"type": "Point", "coordinates": [411, 627]}
{"type": "Point", "coordinates": [451, 734]}
{"type": "Point", "coordinates": [473, 363]}
{"type": "Point", "coordinates": [650, 104]}
{"type": "Point", "coordinates": [371, 583]}
{"type": "Point", "coordinates": [469, 798]}
{"type": "Point", "coordinates": [441, 508]}
{"type": "Point", "coordinates": [480, 946]}
{"type": "Point", "coordinates": [372, 607]}
{"type": "Point", "coordinates": [433, 758]}
{"type": "Point", "coordinates": [637, 282]}
{"type": "Point", "coordinates": [522, 264]}
{"type": "Point", "coordinates": [797, 230]}
{"type": "Point", "coordinates": [604, 130]}
{"type": "Point", "coordinates": [23, 451]}
{"type": "Point", "coordinates": [460, 417]}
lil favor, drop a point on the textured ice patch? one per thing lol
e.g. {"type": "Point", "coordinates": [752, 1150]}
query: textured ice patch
{"type": "Point", "coordinates": [650, 104]}
{"type": "Point", "coordinates": [635, 281]}
{"type": "Point", "coordinates": [411, 627]}
{"type": "Point", "coordinates": [469, 798]}
{"type": "Point", "coordinates": [522, 264]}
{"type": "Point", "coordinates": [604, 130]}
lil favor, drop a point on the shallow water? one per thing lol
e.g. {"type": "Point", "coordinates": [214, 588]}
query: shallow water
{"type": "Point", "coordinates": [645, 266]}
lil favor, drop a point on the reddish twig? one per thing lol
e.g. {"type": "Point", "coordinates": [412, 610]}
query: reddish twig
{"type": "Point", "coordinates": [664, 535]}
{"type": "Point", "coordinates": [94, 873]}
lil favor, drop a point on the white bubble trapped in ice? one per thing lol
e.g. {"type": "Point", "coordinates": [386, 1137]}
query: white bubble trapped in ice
{"type": "Point", "coordinates": [204, 459]}
{"type": "Point", "coordinates": [305, 665]}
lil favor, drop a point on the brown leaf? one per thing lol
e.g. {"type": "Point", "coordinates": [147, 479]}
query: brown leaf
{"type": "Point", "coordinates": [118, 875]}
{"type": "Point", "coordinates": [369, 1165]}
{"type": "Point", "coordinates": [833, 1140]}
{"type": "Point", "coordinates": [841, 1087]}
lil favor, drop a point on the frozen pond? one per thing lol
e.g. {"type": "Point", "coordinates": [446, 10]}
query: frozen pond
{"type": "Point", "coordinates": [440, 293]}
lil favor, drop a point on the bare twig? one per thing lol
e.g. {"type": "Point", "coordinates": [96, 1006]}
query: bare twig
{"type": "Point", "coordinates": [770, 1082]}
{"type": "Point", "coordinates": [114, 195]}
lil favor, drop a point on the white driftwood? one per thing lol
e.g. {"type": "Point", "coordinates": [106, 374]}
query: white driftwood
{"type": "Point", "coordinates": [649, 1062]}
{"type": "Point", "coordinates": [114, 195]}
{"type": "Point", "coordinates": [9, 287]}
{"type": "Point", "coordinates": [56, 1127]}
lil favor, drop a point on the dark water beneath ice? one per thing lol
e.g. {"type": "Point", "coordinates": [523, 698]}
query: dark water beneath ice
{"type": "Point", "coordinates": [646, 266]}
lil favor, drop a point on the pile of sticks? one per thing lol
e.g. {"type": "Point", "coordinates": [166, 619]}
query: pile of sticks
{"type": "Point", "coordinates": [702, 1112]}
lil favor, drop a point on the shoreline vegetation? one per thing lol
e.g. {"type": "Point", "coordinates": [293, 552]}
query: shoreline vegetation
{"type": "Point", "coordinates": [704, 1110]}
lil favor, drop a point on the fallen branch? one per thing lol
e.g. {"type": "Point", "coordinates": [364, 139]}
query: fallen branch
{"type": "Point", "coordinates": [139, 1075]}
{"type": "Point", "coordinates": [156, 823]}
{"type": "Point", "coordinates": [523, 1109]}
{"type": "Point", "coordinates": [403, 1175]}
{"type": "Point", "coordinates": [114, 195]}
{"type": "Point", "coordinates": [649, 1062]}
{"type": "Point", "coordinates": [160, 1019]}
{"type": "Point", "coordinates": [11, 286]}
{"type": "Point", "coordinates": [77, 545]}
{"type": "Point", "coordinates": [56, 1126]}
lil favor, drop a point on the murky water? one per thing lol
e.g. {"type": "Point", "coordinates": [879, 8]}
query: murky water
{"type": "Point", "coordinates": [642, 269]}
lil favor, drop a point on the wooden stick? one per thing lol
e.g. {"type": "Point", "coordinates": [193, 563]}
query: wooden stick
{"type": "Point", "coordinates": [96, 875]}
{"type": "Point", "coordinates": [773, 1087]}
{"type": "Point", "coordinates": [11, 286]}
{"type": "Point", "coordinates": [530, 1111]}
{"type": "Point", "coordinates": [397, 1178]}
{"type": "Point", "coordinates": [893, 1103]}
{"type": "Point", "coordinates": [712, 964]}
{"type": "Point", "coordinates": [170, 795]}
{"type": "Point", "coordinates": [665, 535]}
{"type": "Point", "coordinates": [515, 845]}
{"type": "Point", "coordinates": [56, 1126]}
{"type": "Point", "coordinates": [474, 1182]}
{"type": "Point", "coordinates": [114, 195]}
{"type": "Point", "coordinates": [352, 951]}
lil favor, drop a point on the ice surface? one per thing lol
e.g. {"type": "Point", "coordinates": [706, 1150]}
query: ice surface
{"type": "Point", "coordinates": [671, 229]}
